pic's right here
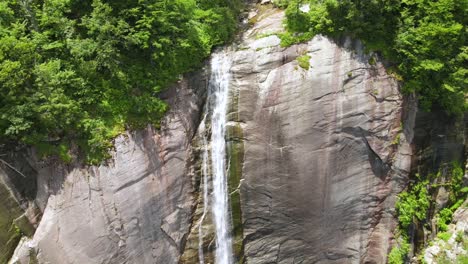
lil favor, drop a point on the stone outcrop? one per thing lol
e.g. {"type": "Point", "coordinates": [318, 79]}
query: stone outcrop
{"type": "Point", "coordinates": [453, 250]}
{"type": "Point", "coordinates": [324, 149]}
{"type": "Point", "coordinates": [135, 209]}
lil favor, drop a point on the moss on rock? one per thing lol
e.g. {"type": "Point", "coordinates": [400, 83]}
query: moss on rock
{"type": "Point", "coordinates": [236, 160]}
{"type": "Point", "coordinates": [235, 153]}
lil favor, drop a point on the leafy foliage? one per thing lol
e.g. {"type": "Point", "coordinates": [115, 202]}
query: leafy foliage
{"type": "Point", "coordinates": [444, 217]}
{"type": "Point", "coordinates": [304, 61]}
{"type": "Point", "coordinates": [288, 39]}
{"type": "Point", "coordinates": [457, 196]}
{"type": "Point", "coordinates": [398, 254]}
{"type": "Point", "coordinates": [426, 40]}
{"type": "Point", "coordinates": [445, 236]}
{"type": "Point", "coordinates": [413, 204]}
{"type": "Point", "coordinates": [78, 72]}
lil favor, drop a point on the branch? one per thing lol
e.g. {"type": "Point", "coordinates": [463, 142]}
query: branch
{"type": "Point", "coordinates": [13, 168]}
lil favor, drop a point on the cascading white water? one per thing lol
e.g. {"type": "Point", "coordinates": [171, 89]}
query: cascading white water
{"type": "Point", "coordinates": [218, 100]}
{"type": "Point", "coordinates": [204, 184]}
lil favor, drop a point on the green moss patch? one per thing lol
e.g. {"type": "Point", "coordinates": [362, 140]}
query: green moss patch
{"type": "Point", "coordinates": [304, 61]}
{"type": "Point", "coordinates": [236, 160]}
{"type": "Point", "coordinates": [235, 174]}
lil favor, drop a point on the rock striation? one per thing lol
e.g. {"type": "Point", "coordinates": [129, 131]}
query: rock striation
{"type": "Point", "coordinates": [324, 149]}
{"type": "Point", "coordinates": [135, 209]}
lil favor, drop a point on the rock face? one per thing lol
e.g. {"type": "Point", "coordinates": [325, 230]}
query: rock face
{"type": "Point", "coordinates": [324, 149]}
{"type": "Point", "coordinates": [136, 209]}
{"type": "Point", "coordinates": [9, 211]}
{"type": "Point", "coordinates": [454, 249]}
{"type": "Point", "coordinates": [438, 139]}
{"type": "Point", "coordinates": [18, 212]}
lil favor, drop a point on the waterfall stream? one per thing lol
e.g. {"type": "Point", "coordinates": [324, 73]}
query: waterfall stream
{"type": "Point", "coordinates": [204, 183]}
{"type": "Point", "coordinates": [217, 105]}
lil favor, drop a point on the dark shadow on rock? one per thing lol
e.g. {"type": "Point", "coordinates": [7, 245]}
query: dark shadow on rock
{"type": "Point", "coordinates": [379, 167]}
{"type": "Point", "coordinates": [20, 173]}
{"type": "Point", "coordinates": [438, 139]}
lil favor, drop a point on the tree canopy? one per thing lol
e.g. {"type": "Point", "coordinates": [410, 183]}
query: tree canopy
{"type": "Point", "coordinates": [78, 72]}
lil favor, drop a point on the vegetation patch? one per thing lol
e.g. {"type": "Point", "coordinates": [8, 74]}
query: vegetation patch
{"type": "Point", "coordinates": [458, 194]}
{"type": "Point", "coordinates": [443, 258]}
{"type": "Point", "coordinates": [397, 139]}
{"type": "Point", "coordinates": [236, 161]}
{"type": "Point", "coordinates": [399, 253]}
{"type": "Point", "coordinates": [289, 39]}
{"type": "Point", "coordinates": [445, 236]}
{"type": "Point", "coordinates": [265, 35]}
{"type": "Point", "coordinates": [304, 61]}
{"type": "Point", "coordinates": [414, 205]}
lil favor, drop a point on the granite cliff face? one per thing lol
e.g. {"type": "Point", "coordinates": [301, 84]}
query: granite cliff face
{"type": "Point", "coordinates": [319, 149]}
{"type": "Point", "coordinates": [135, 209]}
{"type": "Point", "coordinates": [324, 154]}
{"type": "Point", "coordinates": [319, 144]}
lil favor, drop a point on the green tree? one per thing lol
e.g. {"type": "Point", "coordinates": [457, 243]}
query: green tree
{"type": "Point", "coordinates": [80, 72]}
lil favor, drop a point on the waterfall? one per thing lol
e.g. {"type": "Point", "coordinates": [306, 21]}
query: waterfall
{"type": "Point", "coordinates": [217, 105]}
{"type": "Point", "coordinates": [205, 164]}
{"type": "Point", "coordinates": [218, 87]}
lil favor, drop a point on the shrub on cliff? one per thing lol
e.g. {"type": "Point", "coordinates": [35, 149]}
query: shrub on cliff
{"type": "Point", "coordinates": [412, 205]}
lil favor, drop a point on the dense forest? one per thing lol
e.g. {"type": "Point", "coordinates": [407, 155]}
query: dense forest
{"type": "Point", "coordinates": [424, 40]}
{"type": "Point", "coordinates": [78, 73]}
